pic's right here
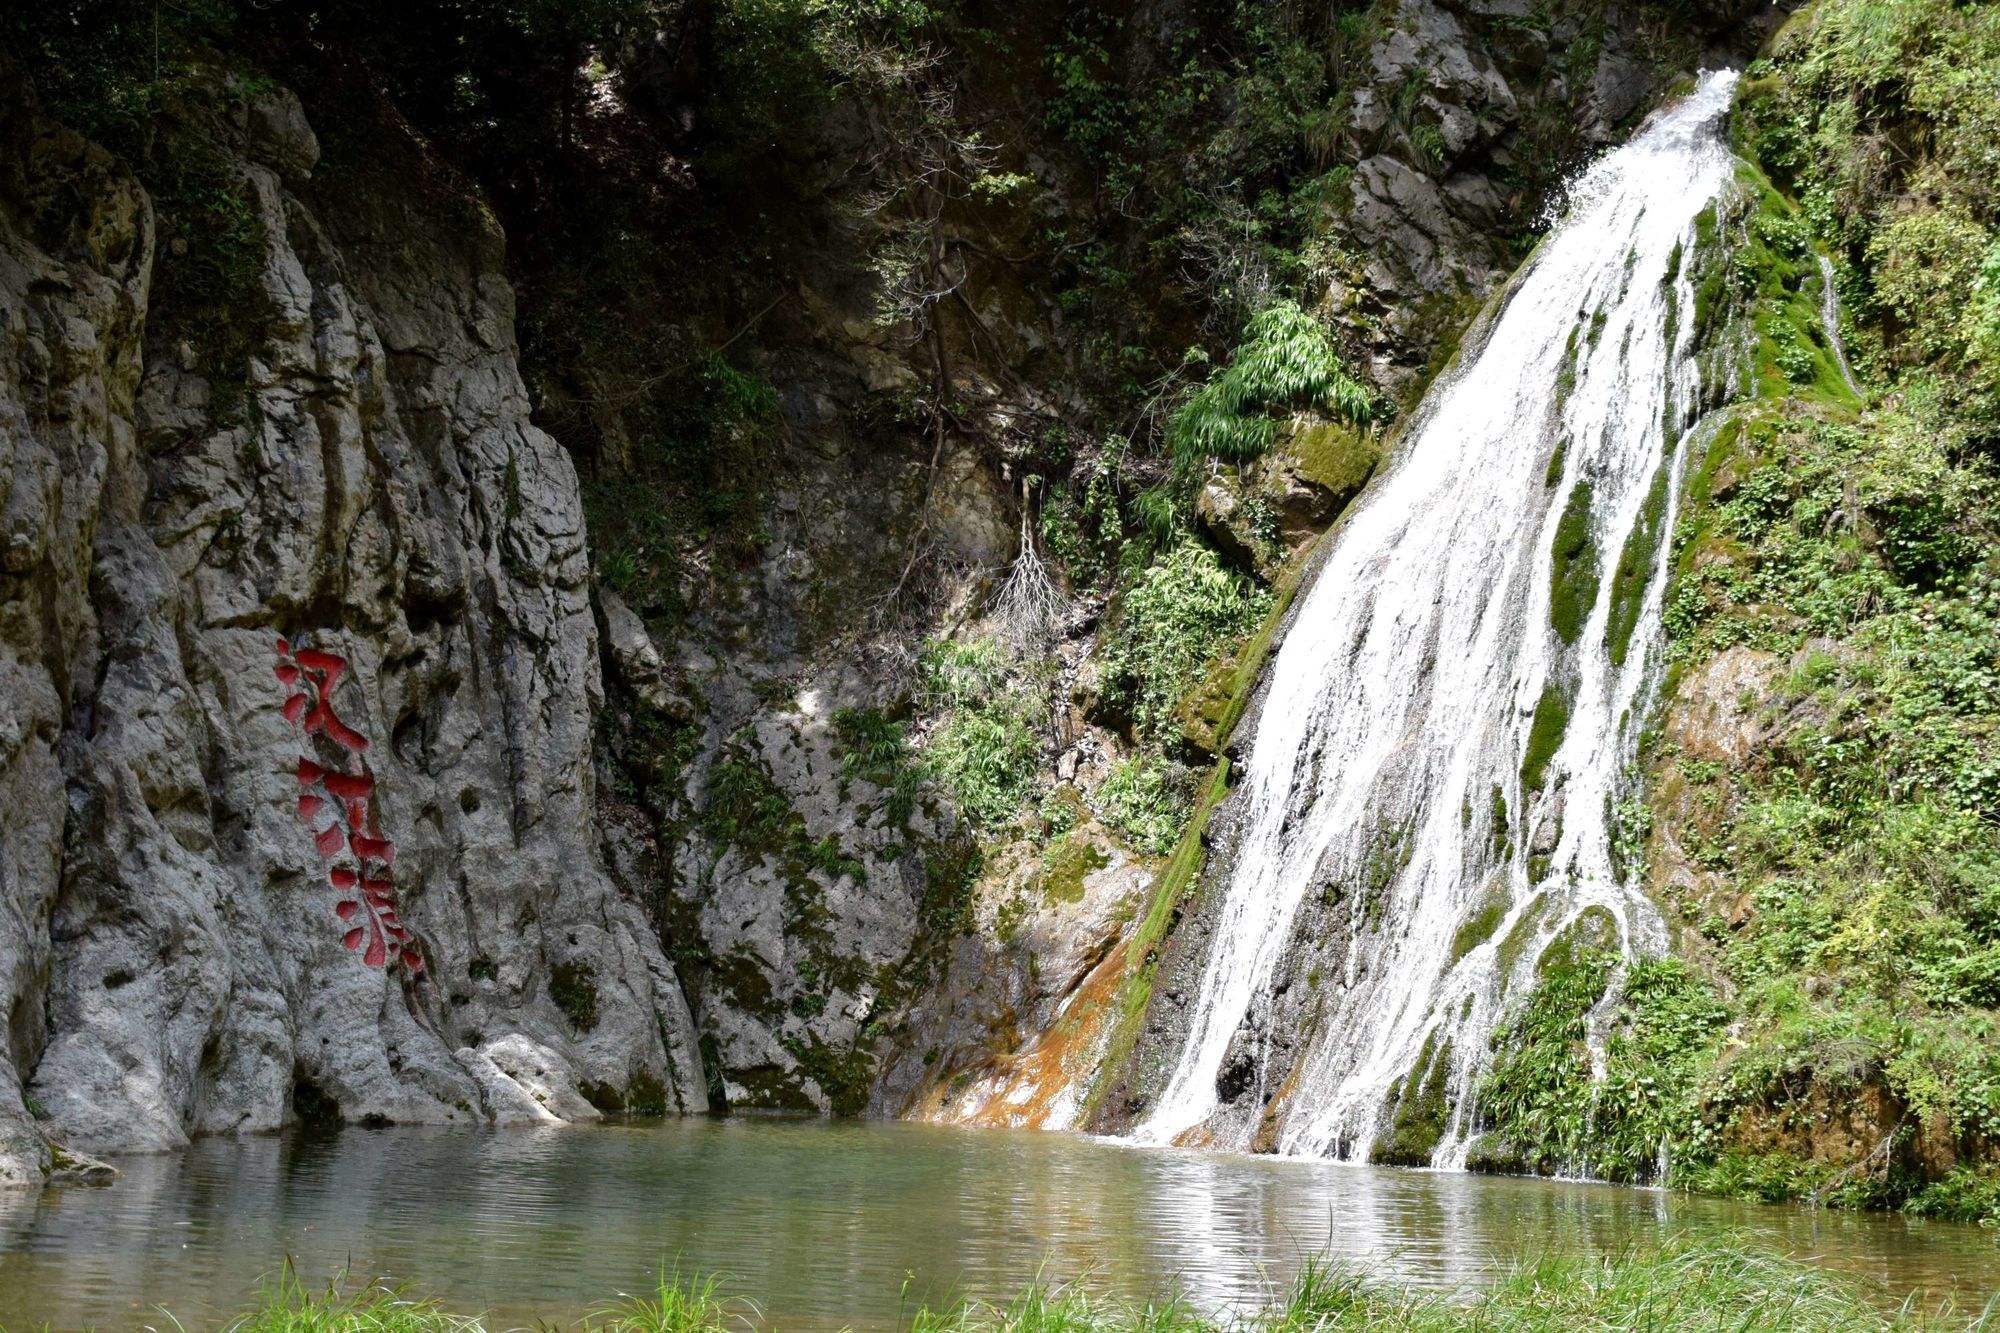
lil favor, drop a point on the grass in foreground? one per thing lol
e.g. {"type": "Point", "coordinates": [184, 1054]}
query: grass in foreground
{"type": "Point", "coordinates": [1701, 1287]}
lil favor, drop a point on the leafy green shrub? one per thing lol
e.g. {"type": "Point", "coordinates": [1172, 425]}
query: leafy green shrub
{"type": "Point", "coordinates": [1930, 274]}
{"type": "Point", "coordinates": [987, 749]}
{"type": "Point", "coordinates": [1966, 1194]}
{"type": "Point", "coordinates": [1178, 614]}
{"type": "Point", "coordinates": [1537, 1095]}
{"type": "Point", "coordinates": [1147, 799]}
{"type": "Point", "coordinates": [1285, 362]}
{"type": "Point", "coordinates": [1080, 527]}
{"type": "Point", "coordinates": [1063, 809]}
{"type": "Point", "coordinates": [1541, 1097]}
{"type": "Point", "coordinates": [987, 757]}
{"type": "Point", "coordinates": [744, 807]}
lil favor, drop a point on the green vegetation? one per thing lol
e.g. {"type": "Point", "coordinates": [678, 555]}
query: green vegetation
{"type": "Point", "coordinates": [574, 989]}
{"type": "Point", "coordinates": [1545, 736]}
{"type": "Point", "coordinates": [1284, 363]}
{"type": "Point", "coordinates": [153, 85]}
{"type": "Point", "coordinates": [289, 1306]}
{"type": "Point", "coordinates": [1682, 1284]}
{"type": "Point", "coordinates": [1334, 456]}
{"type": "Point", "coordinates": [1177, 616]}
{"type": "Point", "coordinates": [207, 284]}
{"type": "Point", "coordinates": [1540, 1090]}
{"type": "Point", "coordinates": [1065, 866]}
{"type": "Point", "coordinates": [987, 748]}
{"type": "Point", "coordinates": [1839, 884]}
{"type": "Point", "coordinates": [876, 750]}
{"type": "Point", "coordinates": [1913, 235]}
{"type": "Point", "coordinates": [1539, 1087]}
{"type": "Point", "coordinates": [1146, 799]}
{"type": "Point", "coordinates": [1142, 944]}
{"type": "Point", "coordinates": [1636, 564]}
{"type": "Point", "coordinates": [675, 1305]}
{"type": "Point", "coordinates": [700, 439]}
{"type": "Point", "coordinates": [1418, 1122]}
{"type": "Point", "coordinates": [1480, 925]}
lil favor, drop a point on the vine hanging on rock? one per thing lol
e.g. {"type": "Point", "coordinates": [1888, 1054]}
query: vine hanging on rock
{"type": "Point", "coordinates": [335, 790]}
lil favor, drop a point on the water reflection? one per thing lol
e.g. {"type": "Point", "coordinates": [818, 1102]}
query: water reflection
{"type": "Point", "coordinates": [821, 1224]}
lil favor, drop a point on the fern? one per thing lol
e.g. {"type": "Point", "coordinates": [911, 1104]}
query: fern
{"type": "Point", "coordinates": [1285, 362]}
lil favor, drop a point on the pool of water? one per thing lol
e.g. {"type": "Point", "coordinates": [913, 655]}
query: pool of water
{"type": "Point", "coordinates": [835, 1225]}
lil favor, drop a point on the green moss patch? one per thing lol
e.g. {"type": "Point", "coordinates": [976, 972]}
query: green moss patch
{"type": "Point", "coordinates": [1067, 864]}
{"type": "Point", "coordinates": [1522, 935]}
{"type": "Point", "coordinates": [1545, 736]}
{"type": "Point", "coordinates": [1636, 563]}
{"type": "Point", "coordinates": [1417, 1126]}
{"type": "Point", "coordinates": [573, 987]}
{"type": "Point", "coordinates": [1478, 927]}
{"type": "Point", "coordinates": [1573, 566]}
{"type": "Point", "coordinates": [1334, 456]}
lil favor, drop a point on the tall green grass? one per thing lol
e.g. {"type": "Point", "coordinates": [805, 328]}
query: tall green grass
{"type": "Point", "coordinates": [289, 1306]}
{"type": "Point", "coordinates": [1685, 1286]}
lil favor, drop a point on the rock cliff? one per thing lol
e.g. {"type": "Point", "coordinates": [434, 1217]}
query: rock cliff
{"type": "Point", "coordinates": [374, 491]}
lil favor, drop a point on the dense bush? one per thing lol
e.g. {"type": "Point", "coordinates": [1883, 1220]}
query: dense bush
{"type": "Point", "coordinates": [1178, 614]}
{"type": "Point", "coordinates": [1147, 799]}
{"type": "Point", "coordinates": [1285, 362]}
{"type": "Point", "coordinates": [987, 746]}
{"type": "Point", "coordinates": [1878, 117]}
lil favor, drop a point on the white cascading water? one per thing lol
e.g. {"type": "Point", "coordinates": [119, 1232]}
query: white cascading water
{"type": "Point", "coordinates": [1401, 702]}
{"type": "Point", "coordinates": [1829, 319]}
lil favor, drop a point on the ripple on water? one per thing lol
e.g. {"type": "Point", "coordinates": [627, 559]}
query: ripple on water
{"type": "Point", "coordinates": [820, 1224]}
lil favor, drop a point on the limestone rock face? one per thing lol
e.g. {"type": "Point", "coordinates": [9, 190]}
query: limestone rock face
{"type": "Point", "coordinates": [171, 950]}
{"type": "Point", "coordinates": [1468, 111]}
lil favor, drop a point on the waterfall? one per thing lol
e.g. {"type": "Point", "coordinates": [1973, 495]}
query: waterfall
{"type": "Point", "coordinates": [1829, 319]}
{"type": "Point", "coordinates": [1444, 639]}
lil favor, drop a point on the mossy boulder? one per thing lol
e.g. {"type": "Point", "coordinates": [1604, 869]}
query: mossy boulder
{"type": "Point", "coordinates": [1332, 457]}
{"type": "Point", "coordinates": [1418, 1124]}
{"type": "Point", "coordinates": [1263, 512]}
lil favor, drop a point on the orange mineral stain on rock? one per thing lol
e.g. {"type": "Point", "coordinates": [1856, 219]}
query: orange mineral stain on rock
{"type": "Point", "coordinates": [1040, 1086]}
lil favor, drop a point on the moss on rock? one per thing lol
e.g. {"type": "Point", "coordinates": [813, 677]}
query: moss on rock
{"type": "Point", "coordinates": [573, 987]}
{"type": "Point", "coordinates": [1067, 864]}
{"type": "Point", "coordinates": [1545, 736]}
{"type": "Point", "coordinates": [1334, 456]}
{"type": "Point", "coordinates": [1418, 1123]}
{"type": "Point", "coordinates": [1573, 572]}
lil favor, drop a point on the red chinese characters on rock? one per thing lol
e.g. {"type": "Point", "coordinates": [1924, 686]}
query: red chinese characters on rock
{"type": "Point", "coordinates": [335, 784]}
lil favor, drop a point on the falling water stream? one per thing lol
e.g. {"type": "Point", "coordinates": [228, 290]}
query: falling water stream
{"type": "Point", "coordinates": [1829, 318]}
{"type": "Point", "coordinates": [1388, 761]}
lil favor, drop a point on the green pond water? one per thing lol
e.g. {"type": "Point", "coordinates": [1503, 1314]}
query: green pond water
{"type": "Point", "coordinates": [836, 1225]}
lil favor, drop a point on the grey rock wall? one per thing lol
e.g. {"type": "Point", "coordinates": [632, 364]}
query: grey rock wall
{"type": "Point", "coordinates": [170, 950]}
